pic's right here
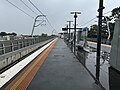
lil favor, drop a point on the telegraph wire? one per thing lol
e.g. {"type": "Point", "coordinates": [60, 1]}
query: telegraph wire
{"type": "Point", "coordinates": [35, 7]}
{"type": "Point", "coordinates": [19, 9]}
{"type": "Point", "coordinates": [49, 23]}
{"type": "Point", "coordinates": [28, 7]}
{"type": "Point", "coordinates": [40, 12]}
{"type": "Point", "coordinates": [94, 18]}
{"type": "Point", "coordinates": [107, 12]}
{"type": "Point", "coordinates": [89, 21]}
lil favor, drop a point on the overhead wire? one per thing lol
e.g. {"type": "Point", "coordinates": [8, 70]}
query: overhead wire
{"type": "Point", "coordinates": [107, 12]}
{"type": "Point", "coordinates": [41, 13]}
{"type": "Point", "coordinates": [19, 9]}
{"type": "Point", "coordinates": [28, 7]}
{"type": "Point", "coordinates": [50, 23]}
{"type": "Point", "coordinates": [33, 11]}
{"type": "Point", "coordinates": [94, 18]}
{"type": "Point", "coordinates": [35, 6]}
{"type": "Point", "coordinates": [89, 21]}
{"type": "Point", "coordinates": [40, 23]}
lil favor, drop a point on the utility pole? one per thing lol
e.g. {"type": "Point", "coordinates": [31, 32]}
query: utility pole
{"type": "Point", "coordinates": [100, 10]}
{"type": "Point", "coordinates": [34, 25]}
{"type": "Point", "coordinates": [75, 16]}
{"type": "Point", "coordinates": [69, 28]}
{"type": "Point", "coordinates": [66, 35]}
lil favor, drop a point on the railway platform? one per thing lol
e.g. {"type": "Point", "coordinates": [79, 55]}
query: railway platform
{"type": "Point", "coordinates": [56, 68]}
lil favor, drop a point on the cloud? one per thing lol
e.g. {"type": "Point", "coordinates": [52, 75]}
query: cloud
{"type": "Point", "coordinates": [57, 11]}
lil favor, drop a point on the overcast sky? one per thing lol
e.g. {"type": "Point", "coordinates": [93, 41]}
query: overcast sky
{"type": "Point", "coordinates": [57, 11]}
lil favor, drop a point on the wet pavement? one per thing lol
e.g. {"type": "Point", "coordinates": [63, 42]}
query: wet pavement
{"type": "Point", "coordinates": [62, 71]}
{"type": "Point", "coordinates": [109, 78]}
{"type": "Point", "coordinates": [104, 47]}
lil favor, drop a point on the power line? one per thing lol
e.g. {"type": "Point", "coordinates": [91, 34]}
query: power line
{"type": "Point", "coordinates": [89, 21]}
{"type": "Point", "coordinates": [28, 7]}
{"type": "Point", "coordinates": [35, 7]}
{"type": "Point", "coordinates": [107, 12]}
{"type": "Point", "coordinates": [40, 12]}
{"type": "Point", "coordinates": [94, 18]}
{"type": "Point", "coordinates": [19, 9]}
{"type": "Point", "coordinates": [49, 23]}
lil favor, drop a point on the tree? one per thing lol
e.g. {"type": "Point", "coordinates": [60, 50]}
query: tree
{"type": "Point", "coordinates": [104, 33]}
{"type": "Point", "coordinates": [14, 34]}
{"type": "Point", "coordinates": [105, 26]}
{"type": "Point", "coordinates": [116, 13]}
{"type": "Point", "coordinates": [44, 35]}
{"type": "Point", "coordinates": [3, 34]}
{"type": "Point", "coordinates": [111, 26]}
{"type": "Point", "coordinates": [93, 31]}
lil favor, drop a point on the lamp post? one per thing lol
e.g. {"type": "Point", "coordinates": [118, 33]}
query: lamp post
{"type": "Point", "coordinates": [100, 10]}
{"type": "Point", "coordinates": [75, 16]}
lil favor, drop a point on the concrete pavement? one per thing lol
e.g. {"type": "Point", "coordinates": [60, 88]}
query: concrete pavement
{"type": "Point", "coordinates": [62, 71]}
{"type": "Point", "coordinates": [56, 68]}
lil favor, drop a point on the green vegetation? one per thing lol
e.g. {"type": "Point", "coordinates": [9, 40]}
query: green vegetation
{"type": "Point", "coordinates": [5, 34]}
{"type": "Point", "coordinates": [93, 28]}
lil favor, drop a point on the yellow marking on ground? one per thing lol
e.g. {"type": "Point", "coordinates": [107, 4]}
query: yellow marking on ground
{"type": "Point", "coordinates": [25, 74]}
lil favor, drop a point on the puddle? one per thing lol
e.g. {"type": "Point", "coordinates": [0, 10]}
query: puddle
{"type": "Point", "coordinates": [107, 78]}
